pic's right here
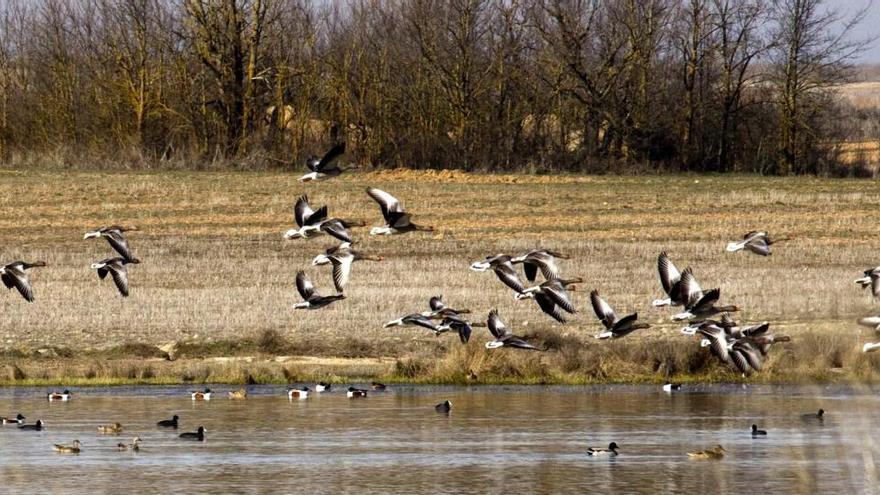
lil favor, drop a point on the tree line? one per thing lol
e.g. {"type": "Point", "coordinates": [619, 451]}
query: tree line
{"type": "Point", "coordinates": [583, 85]}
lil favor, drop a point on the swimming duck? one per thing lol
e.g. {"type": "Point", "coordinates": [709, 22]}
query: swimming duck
{"type": "Point", "coordinates": [315, 222]}
{"type": "Point", "coordinates": [342, 260]}
{"type": "Point", "coordinates": [204, 395]}
{"type": "Point", "coordinates": [397, 221]}
{"type": "Point", "coordinates": [169, 423]}
{"type": "Point", "coordinates": [444, 407]}
{"type": "Point", "coordinates": [312, 299]}
{"type": "Point", "coordinates": [552, 297]}
{"type": "Point", "coordinates": [323, 387]}
{"type": "Point", "coordinates": [700, 304]}
{"type": "Point", "coordinates": [616, 327]}
{"type": "Point", "coordinates": [38, 426]}
{"type": "Point", "coordinates": [671, 387]}
{"type": "Point", "coordinates": [298, 393]}
{"type": "Point", "coordinates": [238, 394]}
{"type": "Point", "coordinates": [14, 275]}
{"type": "Point", "coordinates": [539, 259]}
{"type": "Point", "coordinates": [716, 452]}
{"type": "Point", "coordinates": [134, 445]}
{"type": "Point", "coordinates": [670, 280]}
{"type": "Point", "coordinates": [816, 416]}
{"type": "Point", "coordinates": [195, 435]}
{"type": "Point", "coordinates": [65, 449]}
{"type": "Point", "coordinates": [113, 429]}
{"type": "Point", "coordinates": [503, 268]}
{"type": "Point", "coordinates": [503, 336]}
{"type": "Point", "coordinates": [19, 419]}
{"type": "Point", "coordinates": [356, 392]}
{"type": "Point", "coordinates": [756, 432]}
{"type": "Point", "coordinates": [324, 168]}
{"type": "Point", "coordinates": [380, 387]}
{"type": "Point", "coordinates": [872, 280]}
{"type": "Point", "coordinates": [610, 451]}
{"type": "Point", "coordinates": [116, 267]}
{"type": "Point", "coordinates": [755, 241]}
{"type": "Point", "coordinates": [55, 396]}
{"type": "Point", "coordinates": [116, 238]}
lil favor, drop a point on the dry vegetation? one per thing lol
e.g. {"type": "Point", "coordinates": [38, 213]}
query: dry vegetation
{"type": "Point", "coordinates": [217, 277]}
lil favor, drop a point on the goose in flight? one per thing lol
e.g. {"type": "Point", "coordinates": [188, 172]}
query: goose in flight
{"type": "Point", "coordinates": [670, 280]}
{"type": "Point", "coordinates": [397, 221]}
{"type": "Point", "coordinates": [503, 336]}
{"type": "Point", "coordinates": [871, 322]}
{"type": "Point", "coordinates": [315, 222]}
{"type": "Point", "coordinates": [115, 236]}
{"type": "Point", "coordinates": [450, 322]}
{"type": "Point", "coordinates": [15, 275]}
{"type": "Point", "coordinates": [311, 298]}
{"type": "Point", "coordinates": [872, 280]}
{"type": "Point", "coordinates": [324, 168]}
{"type": "Point", "coordinates": [116, 267]}
{"type": "Point", "coordinates": [503, 267]}
{"type": "Point", "coordinates": [615, 327]}
{"type": "Point", "coordinates": [439, 309]}
{"type": "Point", "coordinates": [539, 259]}
{"type": "Point", "coordinates": [342, 259]}
{"type": "Point", "coordinates": [755, 241]}
{"type": "Point", "coordinates": [552, 297]}
{"type": "Point", "coordinates": [699, 304]}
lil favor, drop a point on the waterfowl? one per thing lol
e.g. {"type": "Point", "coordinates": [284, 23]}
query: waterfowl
{"type": "Point", "coordinates": [116, 238]}
{"type": "Point", "coordinates": [315, 222]}
{"type": "Point", "coordinates": [324, 168]}
{"type": "Point", "coordinates": [670, 280]}
{"type": "Point", "coordinates": [134, 445]}
{"type": "Point", "coordinates": [716, 452]}
{"type": "Point", "coordinates": [459, 326]}
{"type": "Point", "coordinates": [397, 221]}
{"type": "Point", "coordinates": [17, 420]}
{"type": "Point", "coordinates": [55, 396]}
{"type": "Point", "coordinates": [539, 259]}
{"type": "Point", "coordinates": [298, 393]}
{"type": "Point", "coordinates": [38, 426]}
{"type": "Point", "coordinates": [416, 319]}
{"type": "Point", "coordinates": [169, 423]}
{"type": "Point", "coordinates": [870, 346]}
{"type": "Point", "coordinates": [816, 416]}
{"type": "Point", "coordinates": [671, 387]}
{"type": "Point", "coordinates": [312, 299]}
{"type": "Point", "coordinates": [203, 395]}
{"type": "Point", "coordinates": [113, 429]}
{"type": "Point", "coordinates": [756, 432]}
{"type": "Point", "coordinates": [323, 387]}
{"type": "Point", "coordinates": [439, 309]}
{"type": "Point", "coordinates": [238, 394]}
{"type": "Point", "coordinates": [116, 267]}
{"type": "Point", "coordinates": [443, 407]}
{"type": "Point", "coordinates": [745, 357]}
{"type": "Point", "coordinates": [871, 321]}
{"type": "Point", "coordinates": [552, 297]}
{"type": "Point", "coordinates": [872, 280]}
{"type": "Point", "coordinates": [700, 304]}
{"type": "Point", "coordinates": [68, 449]}
{"type": "Point", "coordinates": [342, 260]}
{"type": "Point", "coordinates": [755, 241]}
{"type": "Point", "coordinates": [15, 275]}
{"type": "Point", "coordinates": [503, 268]}
{"type": "Point", "coordinates": [610, 451]}
{"type": "Point", "coordinates": [195, 435]}
{"type": "Point", "coordinates": [380, 387]}
{"type": "Point", "coordinates": [356, 392]}
{"type": "Point", "coordinates": [615, 327]}
{"type": "Point", "coordinates": [503, 336]}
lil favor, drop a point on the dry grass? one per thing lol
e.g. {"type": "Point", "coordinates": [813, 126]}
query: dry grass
{"type": "Point", "coordinates": [217, 272]}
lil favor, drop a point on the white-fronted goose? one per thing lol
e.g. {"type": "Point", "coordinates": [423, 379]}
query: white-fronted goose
{"type": "Point", "coordinates": [700, 304]}
{"type": "Point", "coordinates": [539, 259]}
{"type": "Point", "coordinates": [115, 237]}
{"type": "Point", "coordinates": [598, 451]}
{"type": "Point", "coordinates": [670, 280]}
{"type": "Point", "coordinates": [15, 275]}
{"type": "Point", "coordinates": [116, 267]}
{"type": "Point", "coordinates": [315, 222]}
{"type": "Point", "coordinates": [324, 168]}
{"type": "Point", "coordinates": [755, 241]}
{"type": "Point", "coordinates": [312, 300]}
{"type": "Point", "coordinates": [503, 268]}
{"type": "Point", "coordinates": [552, 297]}
{"type": "Point", "coordinates": [397, 221]}
{"type": "Point", "coordinates": [872, 280]}
{"type": "Point", "coordinates": [503, 336]}
{"type": "Point", "coordinates": [616, 327]}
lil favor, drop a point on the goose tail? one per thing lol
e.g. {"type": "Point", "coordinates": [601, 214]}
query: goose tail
{"type": "Point", "coordinates": [662, 302]}
{"type": "Point", "coordinates": [733, 247]}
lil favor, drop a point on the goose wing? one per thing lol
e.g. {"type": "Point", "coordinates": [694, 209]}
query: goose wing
{"type": "Point", "coordinates": [691, 292]}
{"type": "Point", "coordinates": [117, 241]}
{"type": "Point", "coordinates": [875, 286]}
{"type": "Point", "coordinates": [303, 212]}
{"type": "Point", "coordinates": [16, 277]}
{"type": "Point", "coordinates": [119, 273]}
{"type": "Point", "coordinates": [422, 321]}
{"type": "Point", "coordinates": [717, 341]}
{"type": "Point", "coordinates": [341, 270]}
{"type": "Point", "coordinates": [337, 229]}
{"type": "Point", "coordinates": [548, 306]}
{"type": "Point", "coordinates": [387, 203]}
{"type": "Point", "coordinates": [603, 310]}
{"type": "Point", "coordinates": [497, 327]}
{"type": "Point", "coordinates": [556, 291]}
{"type": "Point", "coordinates": [508, 276]}
{"type": "Point", "coordinates": [546, 262]}
{"type": "Point", "coordinates": [758, 245]}
{"type": "Point", "coordinates": [334, 153]}
{"type": "Point", "coordinates": [519, 343]}
{"type": "Point", "coordinates": [750, 354]}
{"type": "Point", "coordinates": [304, 286]}
{"type": "Point", "coordinates": [398, 220]}
{"type": "Point", "coordinates": [624, 325]}
{"type": "Point", "coordinates": [669, 274]}
{"type": "Point", "coordinates": [739, 360]}
{"type": "Point", "coordinates": [757, 330]}
{"type": "Point", "coordinates": [707, 301]}
{"type": "Point", "coordinates": [531, 270]}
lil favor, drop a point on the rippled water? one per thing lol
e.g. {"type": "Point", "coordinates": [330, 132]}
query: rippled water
{"type": "Point", "coordinates": [497, 440]}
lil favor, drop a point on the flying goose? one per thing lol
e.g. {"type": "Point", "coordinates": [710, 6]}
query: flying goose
{"type": "Point", "coordinates": [755, 241]}
{"type": "Point", "coordinates": [203, 395]}
{"type": "Point", "coordinates": [315, 222]}
{"type": "Point", "coordinates": [115, 237]}
{"type": "Point", "coordinates": [38, 426]}
{"type": "Point", "coordinates": [552, 297]}
{"type": "Point", "coordinates": [397, 221]}
{"type": "Point", "coordinates": [116, 267]}
{"type": "Point", "coordinates": [312, 299]}
{"type": "Point", "coordinates": [14, 275]}
{"type": "Point", "coordinates": [716, 452]}
{"type": "Point", "coordinates": [616, 327]}
{"type": "Point", "coordinates": [757, 433]}
{"type": "Point", "coordinates": [503, 336]}
{"type": "Point", "coordinates": [169, 423]}
{"type": "Point", "coordinates": [503, 268]}
{"type": "Point", "coordinates": [13, 421]}
{"type": "Point", "coordinates": [539, 259]}
{"type": "Point", "coordinates": [745, 357]}
{"type": "Point", "coordinates": [610, 451]}
{"type": "Point", "coordinates": [699, 304]}
{"type": "Point", "coordinates": [872, 280]}
{"type": "Point", "coordinates": [324, 168]}
{"type": "Point", "coordinates": [342, 260]}
{"type": "Point", "coordinates": [68, 449]}
{"type": "Point", "coordinates": [198, 435]}
{"type": "Point", "coordinates": [670, 280]}
{"type": "Point", "coordinates": [439, 309]}
{"type": "Point", "coordinates": [871, 321]}
{"type": "Point", "coordinates": [450, 322]}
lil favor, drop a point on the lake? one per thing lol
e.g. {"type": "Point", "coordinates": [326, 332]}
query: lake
{"type": "Point", "coordinates": [528, 439]}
